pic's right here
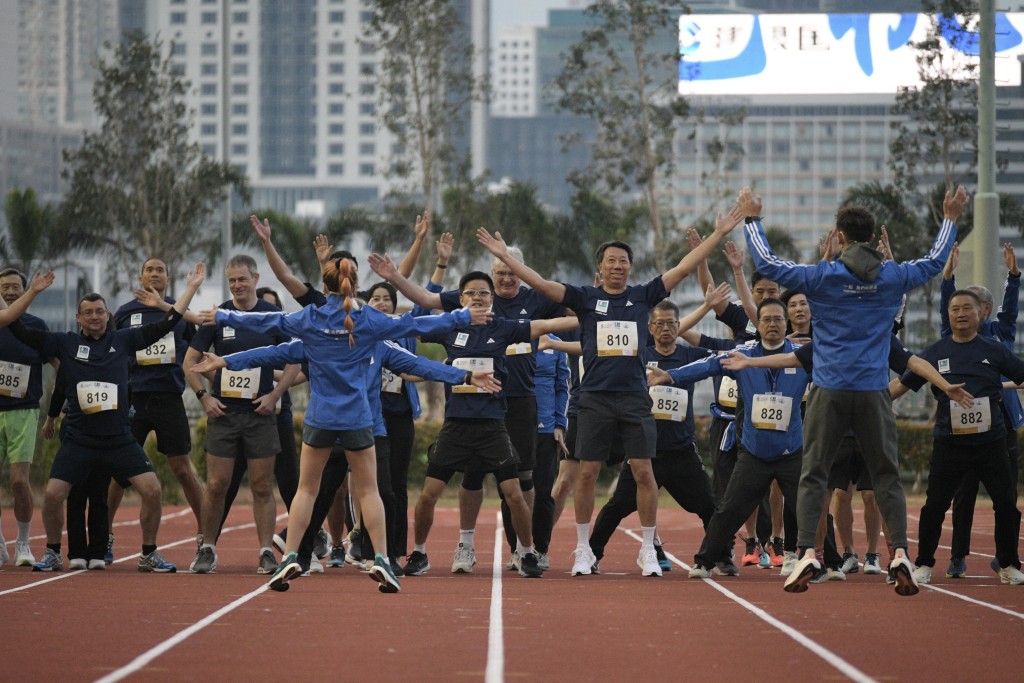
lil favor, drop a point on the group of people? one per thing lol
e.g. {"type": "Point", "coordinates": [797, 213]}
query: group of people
{"type": "Point", "coordinates": [544, 384]}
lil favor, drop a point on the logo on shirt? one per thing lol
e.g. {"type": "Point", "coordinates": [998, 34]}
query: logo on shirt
{"type": "Point", "coordinates": [944, 365]}
{"type": "Point", "coordinates": [523, 312]}
{"type": "Point", "coordinates": [229, 332]}
{"type": "Point", "coordinates": [602, 306]}
{"type": "Point", "coordinates": [461, 338]}
{"type": "Point", "coordinates": [83, 353]}
{"type": "Point", "coordinates": [628, 304]}
{"type": "Point", "coordinates": [985, 361]}
{"type": "Point", "coordinates": [491, 341]}
{"type": "Point", "coordinates": [136, 319]}
{"type": "Point", "coordinates": [111, 350]}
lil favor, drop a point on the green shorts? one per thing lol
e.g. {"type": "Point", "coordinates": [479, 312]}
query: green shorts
{"type": "Point", "coordinates": [18, 435]}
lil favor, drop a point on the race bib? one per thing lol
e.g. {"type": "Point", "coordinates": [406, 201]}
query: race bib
{"type": "Point", "coordinates": [772, 411]}
{"type": "Point", "coordinates": [617, 338]}
{"type": "Point", "coordinates": [728, 392]}
{"type": "Point", "coordinates": [390, 383]}
{"type": "Point", "coordinates": [239, 383]}
{"type": "Point", "coordinates": [14, 379]}
{"type": "Point", "coordinates": [162, 352]}
{"type": "Point", "coordinates": [975, 420]}
{"type": "Point", "coordinates": [519, 349]}
{"type": "Point", "coordinates": [668, 403]}
{"type": "Point", "coordinates": [471, 365]}
{"type": "Point", "coordinates": [95, 397]}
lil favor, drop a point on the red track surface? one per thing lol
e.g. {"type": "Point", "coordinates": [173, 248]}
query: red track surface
{"type": "Point", "coordinates": [614, 627]}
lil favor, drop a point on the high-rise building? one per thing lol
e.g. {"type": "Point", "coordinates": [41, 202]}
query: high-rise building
{"type": "Point", "coordinates": [514, 72]}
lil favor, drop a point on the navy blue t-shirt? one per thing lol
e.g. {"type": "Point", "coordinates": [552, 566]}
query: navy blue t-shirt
{"type": "Point", "coordinates": [21, 371]}
{"type": "Point", "coordinates": [613, 332]}
{"type": "Point", "coordinates": [735, 318]}
{"type": "Point", "coordinates": [977, 364]}
{"type": "Point", "coordinates": [226, 340]}
{"type": "Point", "coordinates": [527, 304]}
{"type": "Point", "coordinates": [158, 366]}
{"type": "Point", "coordinates": [674, 435]}
{"type": "Point", "coordinates": [486, 344]}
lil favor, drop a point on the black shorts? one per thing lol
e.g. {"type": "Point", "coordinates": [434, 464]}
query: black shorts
{"type": "Point", "coordinates": [473, 445]}
{"type": "Point", "coordinates": [163, 413]}
{"type": "Point", "coordinates": [74, 462]}
{"type": "Point", "coordinates": [618, 454]}
{"type": "Point", "coordinates": [848, 466]}
{"type": "Point", "coordinates": [606, 415]}
{"type": "Point", "coordinates": [521, 422]}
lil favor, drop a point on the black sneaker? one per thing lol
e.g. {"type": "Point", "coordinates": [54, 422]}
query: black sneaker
{"type": "Point", "coordinates": [322, 544]}
{"type": "Point", "coordinates": [416, 564]}
{"type": "Point", "coordinates": [395, 567]}
{"type": "Point", "coordinates": [663, 561]}
{"type": "Point", "coordinates": [529, 567]}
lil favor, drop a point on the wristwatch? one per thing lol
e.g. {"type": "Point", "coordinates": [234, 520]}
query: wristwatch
{"type": "Point", "coordinates": [200, 394]}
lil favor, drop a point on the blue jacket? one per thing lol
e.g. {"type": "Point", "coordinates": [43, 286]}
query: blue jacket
{"type": "Point", "coordinates": [763, 444]}
{"type": "Point", "coordinates": [854, 300]}
{"type": "Point", "coordinates": [1002, 329]}
{"type": "Point", "coordinates": [338, 371]}
{"type": "Point", "coordinates": [551, 382]}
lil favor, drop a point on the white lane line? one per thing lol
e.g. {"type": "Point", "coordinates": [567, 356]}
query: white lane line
{"type": "Point", "coordinates": [980, 603]}
{"type": "Point", "coordinates": [134, 522]}
{"type": "Point", "coordinates": [145, 658]}
{"type": "Point", "coordinates": [495, 672]}
{"type": "Point", "coordinates": [834, 660]}
{"type": "Point", "coordinates": [67, 575]}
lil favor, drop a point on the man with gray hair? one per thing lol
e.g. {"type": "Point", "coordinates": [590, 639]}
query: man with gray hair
{"type": "Point", "coordinates": [1004, 330]}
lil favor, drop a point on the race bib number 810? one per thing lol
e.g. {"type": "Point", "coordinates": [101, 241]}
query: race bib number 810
{"type": "Point", "coordinates": [617, 338]}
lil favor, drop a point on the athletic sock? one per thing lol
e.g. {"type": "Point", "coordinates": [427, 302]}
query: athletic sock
{"type": "Point", "coordinates": [419, 548]}
{"type": "Point", "coordinates": [583, 535]}
{"type": "Point", "coordinates": [147, 549]}
{"type": "Point", "coordinates": [266, 549]}
{"type": "Point", "coordinates": [24, 531]}
{"type": "Point", "coordinates": [648, 535]}
{"type": "Point", "coordinates": [55, 547]}
{"type": "Point", "coordinates": [466, 537]}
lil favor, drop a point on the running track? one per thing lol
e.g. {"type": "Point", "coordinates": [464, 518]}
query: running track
{"type": "Point", "coordinates": [495, 626]}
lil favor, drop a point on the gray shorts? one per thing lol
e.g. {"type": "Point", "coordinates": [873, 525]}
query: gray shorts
{"type": "Point", "coordinates": [349, 439]}
{"type": "Point", "coordinates": [243, 435]}
{"type": "Point", "coordinates": [604, 415]}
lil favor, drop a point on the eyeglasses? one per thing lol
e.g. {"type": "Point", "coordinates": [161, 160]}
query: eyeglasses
{"type": "Point", "coordinates": [482, 293]}
{"type": "Point", "coordinates": [773, 319]}
{"type": "Point", "coordinates": [665, 323]}
{"type": "Point", "coordinates": [503, 273]}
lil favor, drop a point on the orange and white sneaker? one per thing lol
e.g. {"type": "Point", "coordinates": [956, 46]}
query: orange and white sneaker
{"type": "Point", "coordinates": [752, 555]}
{"type": "Point", "coordinates": [776, 553]}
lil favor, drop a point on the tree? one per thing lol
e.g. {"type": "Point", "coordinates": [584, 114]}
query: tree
{"type": "Point", "coordinates": [139, 186]}
{"type": "Point", "coordinates": [425, 82]}
{"type": "Point", "coordinates": [622, 74]}
{"type": "Point", "coordinates": [33, 231]}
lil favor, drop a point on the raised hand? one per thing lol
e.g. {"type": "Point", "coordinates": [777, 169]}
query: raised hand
{"type": "Point", "coordinates": [41, 282]}
{"type": "Point", "coordinates": [725, 224]}
{"type": "Point", "coordinates": [486, 381]}
{"type": "Point", "coordinates": [748, 204]}
{"type": "Point", "coordinates": [496, 245]}
{"type": "Point", "coordinates": [323, 248]}
{"type": "Point", "coordinates": [954, 203]}
{"type": "Point", "coordinates": [733, 254]}
{"type": "Point", "coordinates": [383, 266]}
{"type": "Point", "coordinates": [196, 275]}
{"type": "Point", "coordinates": [883, 245]}
{"type": "Point", "coordinates": [715, 296]}
{"type": "Point", "coordinates": [444, 245]}
{"type": "Point", "coordinates": [1010, 259]}
{"type": "Point", "coordinates": [693, 238]}
{"type": "Point", "coordinates": [828, 247]}
{"type": "Point", "coordinates": [422, 227]}
{"type": "Point", "coordinates": [262, 230]}
{"type": "Point", "coordinates": [951, 262]}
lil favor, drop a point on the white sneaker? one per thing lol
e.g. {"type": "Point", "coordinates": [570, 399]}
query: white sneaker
{"type": "Point", "coordinates": [97, 564]}
{"type": "Point", "coordinates": [544, 562]}
{"type": "Point", "coordinates": [463, 560]}
{"type": "Point", "coordinates": [699, 572]}
{"type": "Point", "coordinates": [871, 564]}
{"type": "Point", "coordinates": [315, 565]}
{"type": "Point", "coordinates": [647, 560]}
{"type": "Point", "coordinates": [789, 560]}
{"type": "Point", "coordinates": [5, 556]}
{"type": "Point", "coordinates": [1011, 575]}
{"type": "Point", "coordinates": [902, 572]}
{"type": "Point", "coordinates": [923, 575]}
{"type": "Point", "coordinates": [804, 570]}
{"type": "Point", "coordinates": [77, 564]}
{"type": "Point", "coordinates": [23, 556]}
{"type": "Point", "coordinates": [585, 560]}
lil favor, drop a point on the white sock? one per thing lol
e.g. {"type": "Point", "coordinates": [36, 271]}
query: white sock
{"type": "Point", "coordinates": [265, 549]}
{"type": "Point", "coordinates": [583, 535]}
{"type": "Point", "coordinates": [419, 548]}
{"type": "Point", "coordinates": [524, 549]}
{"type": "Point", "coordinates": [466, 537]}
{"type": "Point", "coordinates": [210, 546]}
{"type": "Point", "coordinates": [24, 531]}
{"type": "Point", "coordinates": [648, 535]}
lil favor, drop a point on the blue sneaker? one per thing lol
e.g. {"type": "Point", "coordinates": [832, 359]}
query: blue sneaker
{"type": "Point", "coordinates": [663, 561]}
{"type": "Point", "coordinates": [337, 558]}
{"type": "Point", "coordinates": [994, 564]}
{"type": "Point", "coordinates": [381, 573]}
{"type": "Point", "coordinates": [763, 561]}
{"type": "Point", "coordinates": [286, 571]}
{"type": "Point", "coordinates": [108, 557]}
{"type": "Point", "coordinates": [957, 568]}
{"type": "Point", "coordinates": [153, 563]}
{"type": "Point", "coordinates": [51, 562]}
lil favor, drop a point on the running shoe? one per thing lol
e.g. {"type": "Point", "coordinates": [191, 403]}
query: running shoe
{"type": "Point", "coordinates": [776, 552]}
{"type": "Point", "coordinates": [337, 558]}
{"type": "Point", "coordinates": [108, 557]}
{"type": "Point", "coordinates": [828, 574]}
{"type": "Point", "coordinates": [803, 571]}
{"type": "Point", "coordinates": [584, 562]}
{"type": "Point", "coordinates": [381, 573]}
{"type": "Point", "coordinates": [286, 571]}
{"type": "Point", "coordinates": [268, 565]}
{"type": "Point", "coordinates": [417, 564]}
{"type": "Point", "coordinates": [463, 560]}
{"type": "Point", "coordinates": [544, 562]}
{"type": "Point", "coordinates": [205, 562]}
{"type": "Point", "coordinates": [789, 561]}
{"type": "Point", "coordinates": [354, 553]}
{"type": "Point", "coordinates": [647, 560]}
{"type": "Point", "coordinates": [51, 562]}
{"type": "Point", "coordinates": [901, 570]}
{"type": "Point", "coordinates": [994, 564]}
{"type": "Point", "coordinates": [1011, 575]}
{"type": "Point", "coordinates": [752, 555]}
{"type": "Point", "coordinates": [322, 544]}
{"type": "Point", "coordinates": [97, 564]}
{"type": "Point", "coordinates": [851, 563]}
{"type": "Point", "coordinates": [700, 572]}
{"type": "Point", "coordinates": [155, 564]}
{"type": "Point", "coordinates": [923, 574]}
{"type": "Point", "coordinates": [957, 568]}
{"type": "Point", "coordinates": [5, 555]}
{"type": "Point", "coordinates": [529, 566]}
{"type": "Point", "coordinates": [724, 568]}
{"type": "Point", "coordinates": [280, 541]}
{"type": "Point", "coordinates": [872, 565]}
{"type": "Point", "coordinates": [663, 561]}
{"type": "Point", "coordinates": [23, 556]}
{"type": "Point", "coordinates": [77, 564]}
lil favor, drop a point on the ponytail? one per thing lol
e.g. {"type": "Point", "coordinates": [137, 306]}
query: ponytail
{"type": "Point", "coordinates": [338, 275]}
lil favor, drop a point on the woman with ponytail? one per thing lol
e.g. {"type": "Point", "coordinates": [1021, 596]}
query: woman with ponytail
{"type": "Point", "coordinates": [339, 338]}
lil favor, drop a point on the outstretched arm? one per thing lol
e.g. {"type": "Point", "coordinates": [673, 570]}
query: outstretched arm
{"type": "Point", "coordinates": [282, 272]}
{"type": "Point", "coordinates": [1007, 313]}
{"type": "Point", "coordinates": [723, 226]}
{"type": "Point", "coordinates": [553, 326]}
{"type": "Point", "coordinates": [496, 245]}
{"type": "Point", "coordinates": [922, 368]}
{"type": "Point", "coordinates": [385, 267]}
{"type": "Point", "coordinates": [444, 246]}
{"type": "Point", "coordinates": [8, 314]}
{"type": "Point", "coordinates": [734, 255]}
{"type": "Point", "coordinates": [704, 277]}
{"type": "Point", "coordinates": [738, 361]}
